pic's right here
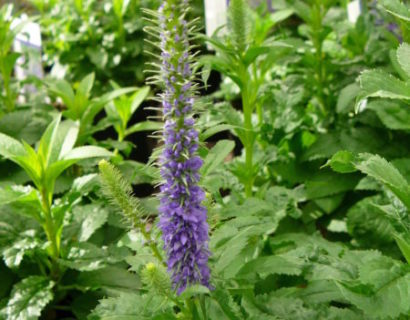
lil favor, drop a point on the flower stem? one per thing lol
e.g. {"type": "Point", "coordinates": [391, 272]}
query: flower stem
{"type": "Point", "coordinates": [151, 243]}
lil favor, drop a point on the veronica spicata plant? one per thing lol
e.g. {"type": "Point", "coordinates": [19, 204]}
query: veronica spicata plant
{"type": "Point", "coordinates": [183, 218]}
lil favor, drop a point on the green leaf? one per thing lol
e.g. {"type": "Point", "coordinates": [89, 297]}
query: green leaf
{"type": "Point", "coordinates": [62, 89]}
{"type": "Point", "coordinates": [47, 142]}
{"type": "Point", "coordinates": [233, 252]}
{"type": "Point", "coordinates": [271, 308]}
{"type": "Point", "coordinates": [214, 130]}
{"type": "Point", "coordinates": [325, 146]}
{"type": "Point", "coordinates": [86, 84]}
{"type": "Point", "coordinates": [92, 217]}
{"type": "Point", "coordinates": [342, 162]}
{"type": "Point", "coordinates": [392, 114]}
{"type": "Point", "coordinates": [68, 135]}
{"type": "Point", "coordinates": [193, 291]}
{"type": "Point", "coordinates": [81, 99]}
{"type": "Point", "coordinates": [29, 297]}
{"type": "Point", "coordinates": [85, 256]}
{"type": "Point", "coordinates": [383, 171]}
{"type": "Point", "coordinates": [280, 15]}
{"type": "Point", "coordinates": [368, 224]}
{"type": "Point", "coordinates": [396, 65]}
{"type": "Point", "coordinates": [86, 152]}
{"type": "Point", "coordinates": [397, 9]}
{"type": "Point", "coordinates": [18, 194]}
{"type": "Point", "coordinates": [98, 104]}
{"type": "Point", "coordinates": [24, 201]}
{"type": "Point", "coordinates": [132, 306]}
{"type": "Point", "coordinates": [144, 126]}
{"type": "Point", "coordinates": [378, 84]}
{"type": "Point", "coordinates": [216, 156]}
{"type": "Point", "coordinates": [14, 254]}
{"type": "Point", "coordinates": [403, 56]}
{"type": "Point", "coordinates": [113, 280]}
{"type": "Point", "coordinates": [264, 266]}
{"type": "Point", "coordinates": [10, 148]}
{"type": "Point", "coordinates": [224, 307]}
{"type": "Point", "coordinates": [254, 52]}
{"type": "Point", "coordinates": [6, 281]}
{"type": "Point", "coordinates": [9, 63]}
{"type": "Point", "coordinates": [331, 203]}
{"type": "Point", "coordinates": [327, 183]}
{"type": "Point", "coordinates": [386, 292]}
{"type": "Point", "coordinates": [345, 101]}
{"type": "Point", "coordinates": [138, 98]}
{"type": "Point", "coordinates": [404, 246]}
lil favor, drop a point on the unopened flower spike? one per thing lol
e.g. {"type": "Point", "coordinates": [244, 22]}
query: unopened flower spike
{"type": "Point", "coordinates": [182, 215]}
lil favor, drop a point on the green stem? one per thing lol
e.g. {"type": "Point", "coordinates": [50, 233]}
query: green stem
{"type": "Point", "coordinates": [203, 307]}
{"type": "Point", "coordinates": [151, 243]}
{"type": "Point", "coordinates": [189, 307]}
{"type": "Point", "coordinates": [9, 101]}
{"type": "Point", "coordinates": [249, 141]}
{"type": "Point", "coordinates": [49, 228]}
{"type": "Point", "coordinates": [320, 67]}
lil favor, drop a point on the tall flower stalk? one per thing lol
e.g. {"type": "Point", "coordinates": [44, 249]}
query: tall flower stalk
{"type": "Point", "coordinates": [182, 216]}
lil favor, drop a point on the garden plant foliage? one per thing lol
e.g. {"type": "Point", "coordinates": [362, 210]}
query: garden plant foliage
{"type": "Point", "coordinates": [158, 173]}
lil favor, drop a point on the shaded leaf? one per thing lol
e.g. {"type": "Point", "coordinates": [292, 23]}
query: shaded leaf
{"type": "Point", "coordinates": [111, 279]}
{"type": "Point", "coordinates": [28, 298]}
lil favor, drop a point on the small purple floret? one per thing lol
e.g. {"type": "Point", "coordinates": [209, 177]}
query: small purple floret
{"type": "Point", "coordinates": [183, 218]}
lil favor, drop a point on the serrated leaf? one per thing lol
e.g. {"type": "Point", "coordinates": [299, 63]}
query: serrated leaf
{"type": "Point", "coordinates": [14, 253]}
{"type": "Point", "coordinates": [397, 9]}
{"type": "Point", "coordinates": [403, 56]}
{"type": "Point", "coordinates": [392, 114]}
{"type": "Point", "coordinates": [378, 84]}
{"type": "Point", "coordinates": [93, 216]}
{"type": "Point", "coordinates": [111, 279]}
{"type": "Point", "coordinates": [193, 291]}
{"type": "Point", "coordinates": [264, 266]}
{"type": "Point", "coordinates": [85, 256]}
{"type": "Point", "coordinates": [389, 285]}
{"type": "Point", "coordinates": [133, 307]}
{"type": "Point", "coordinates": [18, 193]}
{"type": "Point", "coordinates": [29, 297]}
{"type": "Point", "coordinates": [342, 162]}
{"type": "Point", "coordinates": [368, 224]}
{"type": "Point", "coordinates": [383, 171]}
{"type": "Point", "coordinates": [226, 305]}
{"type": "Point", "coordinates": [274, 308]}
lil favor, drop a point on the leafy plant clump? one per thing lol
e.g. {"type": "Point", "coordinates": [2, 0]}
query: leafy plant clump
{"type": "Point", "coordinates": [259, 173]}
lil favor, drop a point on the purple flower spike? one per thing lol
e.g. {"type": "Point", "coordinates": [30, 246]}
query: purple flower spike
{"type": "Point", "coordinates": [182, 216]}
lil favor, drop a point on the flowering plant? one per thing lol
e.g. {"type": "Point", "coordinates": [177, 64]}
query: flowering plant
{"type": "Point", "coordinates": [183, 218]}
